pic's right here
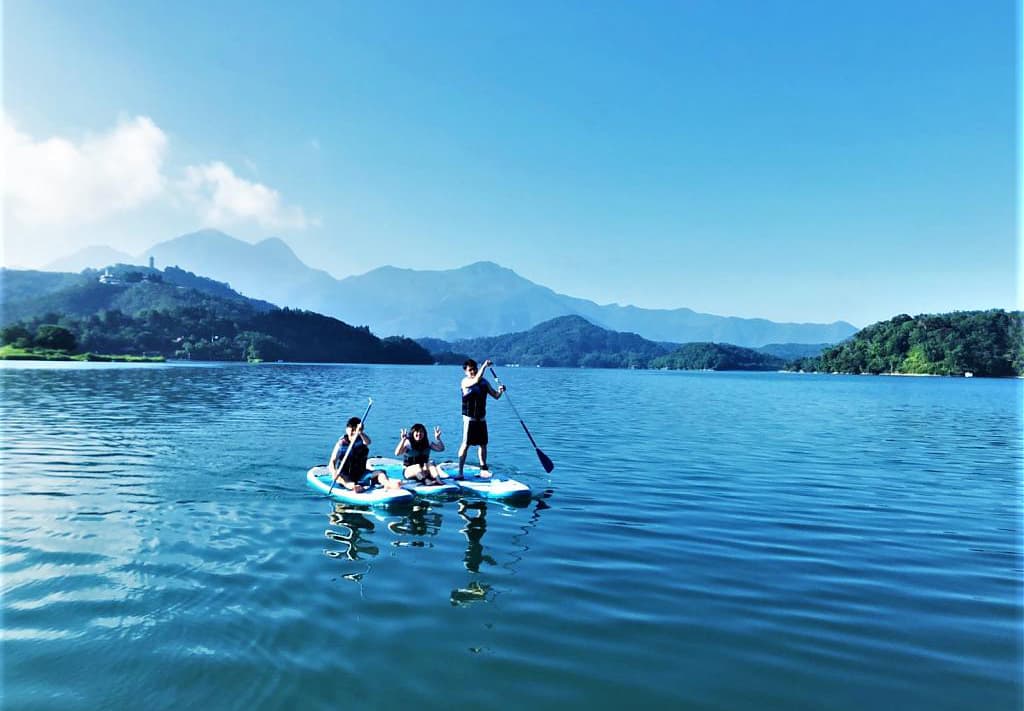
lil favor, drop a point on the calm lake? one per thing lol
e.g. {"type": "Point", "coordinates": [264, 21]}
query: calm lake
{"type": "Point", "coordinates": [706, 541]}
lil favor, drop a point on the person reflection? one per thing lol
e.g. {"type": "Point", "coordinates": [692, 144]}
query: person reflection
{"type": "Point", "coordinates": [348, 527]}
{"type": "Point", "coordinates": [414, 527]}
{"type": "Point", "coordinates": [474, 513]}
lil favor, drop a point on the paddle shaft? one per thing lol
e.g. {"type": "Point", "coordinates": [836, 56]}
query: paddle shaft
{"type": "Point", "coordinates": [348, 451]}
{"type": "Point", "coordinates": [544, 459]}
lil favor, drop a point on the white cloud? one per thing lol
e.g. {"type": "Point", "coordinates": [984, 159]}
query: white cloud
{"type": "Point", "coordinates": [223, 198]}
{"type": "Point", "coordinates": [58, 182]}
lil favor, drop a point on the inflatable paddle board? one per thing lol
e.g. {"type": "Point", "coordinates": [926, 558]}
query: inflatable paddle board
{"type": "Point", "coordinates": [319, 479]}
{"type": "Point", "coordinates": [492, 487]}
{"type": "Point", "coordinates": [395, 469]}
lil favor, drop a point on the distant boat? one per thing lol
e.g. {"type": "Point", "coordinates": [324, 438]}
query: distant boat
{"type": "Point", "coordinates": [968, 374]}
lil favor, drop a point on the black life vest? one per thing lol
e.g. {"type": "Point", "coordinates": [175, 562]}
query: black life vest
{"type": "Point", "coordinates": [474, 403]}
{"type": "Point", "coordinates": [355, 465]}
{"type": "Point", "coordinates": [417, 456]}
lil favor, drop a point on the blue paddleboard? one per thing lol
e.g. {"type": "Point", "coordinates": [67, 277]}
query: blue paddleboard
{"type": "Point", "coordinates": [319, 479]}
{"type": "Point", "coordinates": [492, 487]}
{"type": "Point", "coordinates": [395, 469]}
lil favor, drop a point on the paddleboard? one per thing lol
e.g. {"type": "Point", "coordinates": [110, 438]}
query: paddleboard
{"type": "Point", "coordinates": [319, 479]}
{"type": "Point", "coordinates": [492, 487]}
{"type": "Point", "coordinates": [396, 470]}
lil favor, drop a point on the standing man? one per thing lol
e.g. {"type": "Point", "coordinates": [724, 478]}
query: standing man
{"type": "Point", "coordinates": [475, 390]}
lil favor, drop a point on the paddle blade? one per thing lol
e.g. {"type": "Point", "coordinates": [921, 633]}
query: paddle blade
{"type": "Point", "coordinates": [545, 461]}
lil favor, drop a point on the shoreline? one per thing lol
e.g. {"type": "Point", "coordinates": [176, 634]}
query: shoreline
{"type": "Point", "coordinates": [10, 353]}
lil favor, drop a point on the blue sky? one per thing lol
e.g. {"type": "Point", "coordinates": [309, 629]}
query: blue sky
{"type": "Point", "coordinates": [798, 161]}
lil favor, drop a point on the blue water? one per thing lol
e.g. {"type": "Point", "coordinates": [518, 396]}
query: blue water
{"type": "Point", "coordinates": [706, 541]}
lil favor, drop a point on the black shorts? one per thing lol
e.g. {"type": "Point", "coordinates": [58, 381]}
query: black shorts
{"type": "Point", "coordinates": [476, 432]}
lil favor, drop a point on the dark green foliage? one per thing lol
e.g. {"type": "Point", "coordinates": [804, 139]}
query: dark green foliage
{"type": "Point", "coordinates": [792, 351]}
{"type": "Point", "coordinates": [56, 337]}
{"type": "Point", "coordinates": [154, 315]}
{"type": "Point", "coordinates": [569, 341]}
{"type": "Point", "coordinates": [16, 335]}
{"type": "Point", "coordinates": [443, 353]}
{"type": "Point", "coordinates": [985, 343]}
{"type": "Point", "coordinates": [28, 295]}
{"type": "Point", "coordinates": [398, 349]}
{"type": "Point", "coordinates": [717, 356]}
{"type": "Point", "coordinates": [181, 277]}
{"type": "Point", "coordinates": [434, 345]}
{"type": "Point", "coordinates": [20, 284]}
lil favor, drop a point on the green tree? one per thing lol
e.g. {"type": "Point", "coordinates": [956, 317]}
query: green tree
{"type": "Point", "coordinates": [55, 337]}
{"type": "Point", "coordinates": [16, 335]}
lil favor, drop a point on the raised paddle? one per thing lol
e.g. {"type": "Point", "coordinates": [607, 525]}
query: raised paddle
{"type": "Point", "coordinates": [349, 450]}
{"type": "Point", "coordinates": [544, 460]}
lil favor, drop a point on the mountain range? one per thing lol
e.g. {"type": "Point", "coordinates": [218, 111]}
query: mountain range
{"type": "Point", "coordinates": [480, 299]}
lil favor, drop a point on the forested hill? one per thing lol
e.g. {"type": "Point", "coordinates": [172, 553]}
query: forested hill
{"type": "Point", "coordinates": [178, 314]}
{"type": "Point", "coordinates": [568, 341]}
{"type": "Point", "coordinates": [28, 294]}
{"type": "Point", "coordinates": [572, 341]}
{"type": "Point", "coordinates": [984, 343]}
{"type": "Point", "coordinates": [717, 356]}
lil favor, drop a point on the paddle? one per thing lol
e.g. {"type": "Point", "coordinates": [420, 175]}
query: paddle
{"type": "Point", "coordinates": [544, 460]}
{"type": "Point", "coordinates": [349, 450]}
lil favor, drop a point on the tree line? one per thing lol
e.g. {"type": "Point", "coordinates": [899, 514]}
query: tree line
{"type": "Point", "coordinates": [203, 334]}
{"type": "Point", "coordinates": [983, 343]}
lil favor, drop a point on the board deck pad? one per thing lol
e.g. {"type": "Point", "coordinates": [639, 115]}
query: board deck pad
{"type": "Point", "coordinates": [492, 487]}
{"type": "Point", "coordinates": [319, 479]}
{"type": "Point", "coordinates": [395, 469]}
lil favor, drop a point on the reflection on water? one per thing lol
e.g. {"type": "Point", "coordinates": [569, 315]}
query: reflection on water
{"type": "Point", "coordinates": [349, 528]}
{"type": "Point", "coordinates": [474, 592]}
{"type": "Point", "coordinates": [474, 513]}
{"type": "Point", "coordinates": [358, 535]}
{"type": "Point", "coordinates": [811, 541]}
{"type": "Point", "coordinates": [418, 522]}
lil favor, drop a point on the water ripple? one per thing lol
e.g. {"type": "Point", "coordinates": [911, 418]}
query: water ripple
{"type": "Point", "coordinates": [758, 540]}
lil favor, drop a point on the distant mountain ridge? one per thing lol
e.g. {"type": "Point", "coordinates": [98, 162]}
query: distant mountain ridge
{"type": "Point", "coordinates": [91, 257]}
{"type": "Point", "coordinates": [565, 341]}
{"type": "Point", "coordinates": [480, 299]}
{"type": "Point", "coordinates": [574, 342]}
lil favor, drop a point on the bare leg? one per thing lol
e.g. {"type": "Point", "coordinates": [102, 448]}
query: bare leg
{"type": "Point", "coordinates": [484, 472]}
{"type": "Point", "coordinates": [464, 447]}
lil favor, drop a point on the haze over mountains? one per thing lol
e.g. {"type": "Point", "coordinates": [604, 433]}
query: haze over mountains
{"type": "Point", "coordinates": [481, 299]}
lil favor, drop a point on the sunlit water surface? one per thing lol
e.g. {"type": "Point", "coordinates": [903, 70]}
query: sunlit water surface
{"type": "Point", "coordinates": [706, 541]}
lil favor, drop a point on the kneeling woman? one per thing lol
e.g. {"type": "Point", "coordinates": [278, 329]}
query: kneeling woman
{"type": "Point", "coordinates": [351, 471]}
{"type": "Point", "coordinates": [415, 448]}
